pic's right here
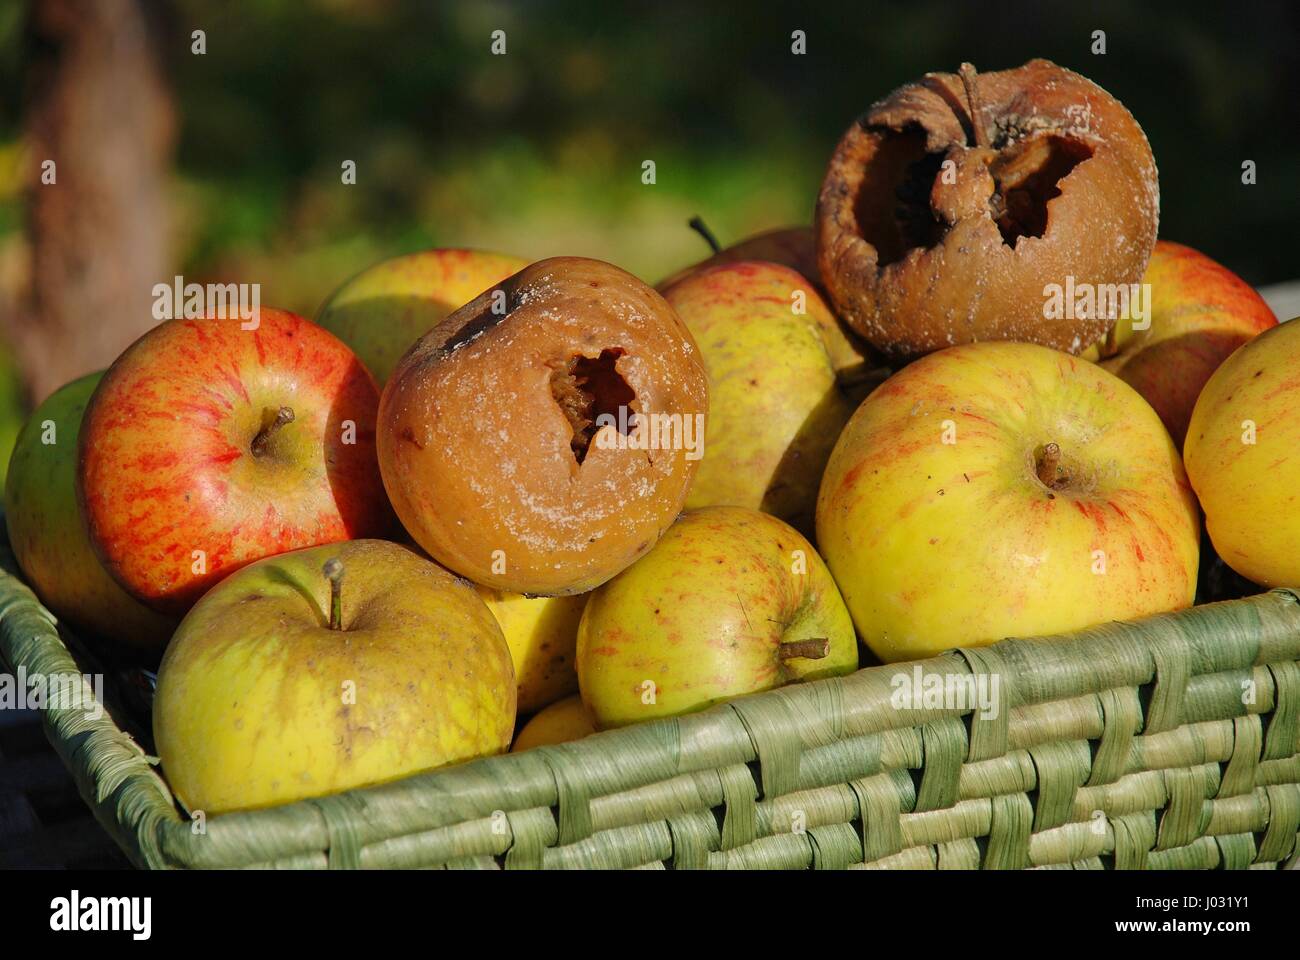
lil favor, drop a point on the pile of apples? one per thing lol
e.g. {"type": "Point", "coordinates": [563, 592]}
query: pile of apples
{"type": "Point", "coordinates": [478, 490]}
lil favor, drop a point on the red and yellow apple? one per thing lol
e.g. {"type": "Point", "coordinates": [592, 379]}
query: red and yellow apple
{"type": "Point", "coordinates": [1200, 312]}
{"type": "Point", "coordinates": [50, 542]}
{"type": "Point", "coordinates": [792, 247]}
{"type": "Point", "coordinates": [999, 490]}
{"type": "Point", "coordinates": [1243, 457]}
{"type": "Point", "coordinates": [383, 310]}
{"type": "Point", "coordinates": [775, 405]}
{"type": "Point", "coordinates": [326, 669]}
{"type": "Point", "coordinates": [730, 601]}
{"type": "Point", "coordinates": [207, 446]}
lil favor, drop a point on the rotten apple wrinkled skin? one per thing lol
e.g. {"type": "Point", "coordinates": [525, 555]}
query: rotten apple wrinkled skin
{"type": "Point", "coordinates": [942, 221]}
{"type": "Point", "coordinates": [940, 533]}
{"type": "Point", "coordinates": [50, 542]}
{"type": "Point", "coordinates": [174, 494]}
{"type": "Point", "coordinates": [1243, 457]}
{"type": "Point", "coordinates": [1200, 313]}
{"type": "Point", "coordinates": [501, 438]}
{"type": "Point", "coordinates": [776, 407]}
{"type": "Point", "coordinates": [260, 702]}
{"type": "Point", "coordinates": [705, 617]}
{"type": "Point", "coordinates": [383, 310]}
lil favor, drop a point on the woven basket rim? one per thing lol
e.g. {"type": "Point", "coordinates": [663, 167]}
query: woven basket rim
{"type": "Point", "coordinates": [1158, 656]}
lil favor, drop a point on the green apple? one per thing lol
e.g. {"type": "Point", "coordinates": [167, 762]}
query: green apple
{"type": "Point", "coordinates": [325, 669]}
{"type": "Point", "coordinates": [49, 539]}
{"type": "Point", "coordinates": [729, 601]}
{"type": "Point", "coordinates": [381, 311]}
{"type": "Point", "coordinates": [12, 408]}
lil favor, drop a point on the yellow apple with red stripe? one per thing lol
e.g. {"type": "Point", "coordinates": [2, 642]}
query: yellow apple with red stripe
{"type": "Point", "coordinates": [1200, 311]}
{"type": "Point", "coordinates": [383, 310]}
{"type": "Point", "coordinates": [729, 601]}
{"type": "Point", "coordinates": [213, 443]}
{"type": "Point", "coordinates": [999, 490]}
{"type": "Point", "coordinates": [776, 405]}
{"type": "Point", "coordinates": [1243, 457]}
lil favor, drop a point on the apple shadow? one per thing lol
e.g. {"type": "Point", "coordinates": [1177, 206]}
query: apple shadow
{"type": "Point", "coordinates": [352, 469]}
{"type": "Point", "coordinates": [808, 451]}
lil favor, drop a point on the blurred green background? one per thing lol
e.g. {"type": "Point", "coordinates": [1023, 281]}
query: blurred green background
{"type": "Point", "coordinates": [539, 151]}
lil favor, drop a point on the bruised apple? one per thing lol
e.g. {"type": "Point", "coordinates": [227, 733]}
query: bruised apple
{"type": "Point", "coordinates": [543, 436]}
{"type": "Point", "coordinates": [1002, 490]}
{"type": "Point", "coordinates": [381, 311]}
{"type": "Point", "coordinates": [207, 446]}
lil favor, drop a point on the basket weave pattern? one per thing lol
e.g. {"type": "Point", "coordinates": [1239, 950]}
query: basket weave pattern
{"type": "Point", "coordinates": [1172, 742]}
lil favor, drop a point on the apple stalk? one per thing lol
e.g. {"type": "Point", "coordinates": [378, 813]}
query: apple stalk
{"type": "Point", "coordinates": [282, 416]}
{"type": "Point", "coordinates": [333, 570]}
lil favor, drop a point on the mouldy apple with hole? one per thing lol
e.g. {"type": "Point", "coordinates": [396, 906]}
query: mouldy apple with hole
{"type": "Point", "coordinates": [508, 435]}
{"type": "Point", "coordinates": [951, 204]}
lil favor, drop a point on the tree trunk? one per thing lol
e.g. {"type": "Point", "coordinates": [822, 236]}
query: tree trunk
{"type": "Point", "coordinates": [99, 107]}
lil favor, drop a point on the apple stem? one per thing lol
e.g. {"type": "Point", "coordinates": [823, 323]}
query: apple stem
{"type": "Point", "coordinates": [333, 571]}
{"type": "Point", "coordinates": [1048, 462]}
{"type": "Point", "coordinates": [814, 648]}
{"type": "Point", "coordinates": [967, 74]}
{"type": "Point", "coordinates": [282, 416]}
{"type": "Point", "coordinates": [1111, 346]}
{"type": "Point", "coordinates": [697, 224]}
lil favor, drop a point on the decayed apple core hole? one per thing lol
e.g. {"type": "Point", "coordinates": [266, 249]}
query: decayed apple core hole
{"type": "Point", "coordinates": [1027, 175]}
{"type": "Point", "coordinates": [585, 388]}
{"type": "Point", "coordinates": [892, 207]}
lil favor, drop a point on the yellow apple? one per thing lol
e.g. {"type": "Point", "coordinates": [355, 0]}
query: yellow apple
{"type": "Point", "coordinates": [325, 669]}
{"type": "Point", "coordinates": [561, 722]}
{"type": "Point", "coordinates": [542, 633]}
{"type": "Point", "coordinates": [1200, 312]}
{"type": "Point", "coordinates": [999, 490]}
{"type": "Point", "coordinates": [776, 406]}
{"type": "Point", "coordinates": [383, 310]}
{"type": "Point", "coordinates": [729, 601]}
{"type": "Point", "coordinates": [1243, 457]}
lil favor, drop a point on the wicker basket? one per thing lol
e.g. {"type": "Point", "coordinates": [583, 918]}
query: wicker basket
{"type": "Point", "coordinates": [1166, 743]}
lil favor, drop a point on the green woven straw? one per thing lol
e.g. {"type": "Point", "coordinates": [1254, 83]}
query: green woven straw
{"type": "Point", "coordinates": [1167, 743]}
